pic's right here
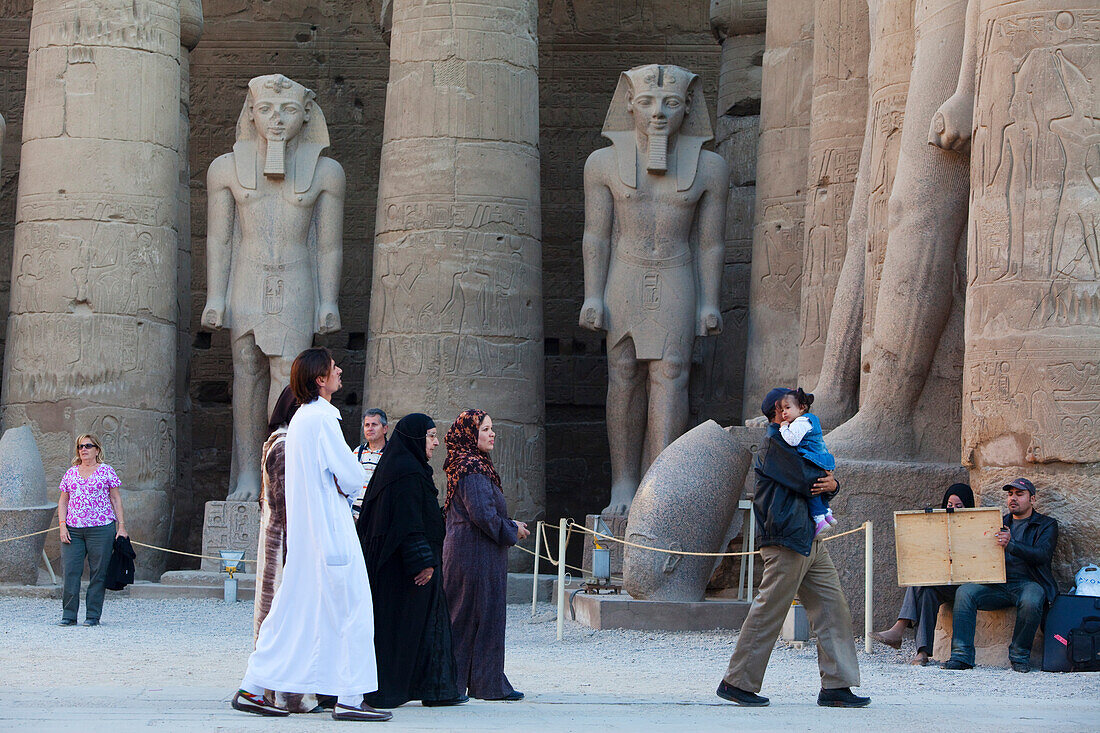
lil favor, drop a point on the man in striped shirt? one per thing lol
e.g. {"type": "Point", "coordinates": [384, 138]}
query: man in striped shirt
{"type": "Point", "coordinates": [375, 426]}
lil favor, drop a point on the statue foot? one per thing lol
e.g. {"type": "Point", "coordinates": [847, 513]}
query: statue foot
{"type": "Point", "coordinates": [248, 488]}
{"type": "Point", "coordinates": [872, 437]}
{"type": "Point", "coordinates": [622, 496]}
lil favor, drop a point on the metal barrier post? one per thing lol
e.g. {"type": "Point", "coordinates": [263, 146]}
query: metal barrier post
{"type": "Point", "coordinates": [868, 580]}
{"type": "Point", "coordinates": [535, 582]}
{"type": "Point", "coordinates": [561, 576]}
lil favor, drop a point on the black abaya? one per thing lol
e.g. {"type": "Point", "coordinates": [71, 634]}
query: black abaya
{"type": "Point", "coordinates": [401, 530]}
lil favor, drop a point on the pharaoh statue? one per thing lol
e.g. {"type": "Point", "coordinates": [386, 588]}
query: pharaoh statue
{"type": "Point", "coordinates": [274, 253]}
{"type": "Point", "coordinates": [647, 281]}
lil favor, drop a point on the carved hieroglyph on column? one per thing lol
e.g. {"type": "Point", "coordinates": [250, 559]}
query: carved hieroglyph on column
{"type": "Point", "coordinates": [92, 331]}
{"type": "Point", "coordinates": [778, 232]}
{"type": "Point", "coordinates": [838, 116]}
{"type": "Point", "coordinates": [888, 70]}
{"type": "Point", "coordinates": [456, 295]}
{"type": "Point", "coordinates": [274, 252]}
{"type": "Point", "coordinates": [1031, 72]}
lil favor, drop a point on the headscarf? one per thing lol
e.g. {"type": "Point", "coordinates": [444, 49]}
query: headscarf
{"type": "Point", "coordinates": [962, 491]}
{"type": "Point", "coordinates": [463, 455]}
{"type": "Point", "coordinates": [285, 407]}
{"type": "Point", "coordinates": [400, 498]}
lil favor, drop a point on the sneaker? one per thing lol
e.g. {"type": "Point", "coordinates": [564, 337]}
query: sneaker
{"type": "Point", "coordinates": [830, 518]}
{"type": "Point", "coordinates": [744, 698]}
{"type": "Point", "coordinates": [955, 664]}
{"type": "Point", "coordinates": [363, 714]}
{"type": "Point", "coordinates": [91, 622]}
{"type": "Point", "coordinates": [822, 527]}
{"type": "Point", "coordinates": [67, 622]}
{"type": "Point", "coordinates": [842, 697]}
{"type": "Point", "coordinates": [1021, 667]}
{"type": "Point", "coordinates": [246, 702]}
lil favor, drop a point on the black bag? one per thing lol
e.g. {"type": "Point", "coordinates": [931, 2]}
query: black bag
{"type": "Point", "coordinates": [120, 569]}
{"type": "Point", "coordinates": [1071, 635]}
{"type": "Point", "coordinates": [1084, 645]}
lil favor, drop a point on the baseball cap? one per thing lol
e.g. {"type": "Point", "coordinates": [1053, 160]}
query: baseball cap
{"type": "Point", "coordinates": [768, 405]}
{"type": "Point", "coordinates": [1021, 483]}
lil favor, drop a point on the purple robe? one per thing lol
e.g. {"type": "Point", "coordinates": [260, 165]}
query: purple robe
{"type": "Point", "coordinates": [475, 578]}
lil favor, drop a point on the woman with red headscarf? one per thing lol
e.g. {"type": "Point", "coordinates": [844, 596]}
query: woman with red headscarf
{"type": "Point", "coordinates": [475, 557]}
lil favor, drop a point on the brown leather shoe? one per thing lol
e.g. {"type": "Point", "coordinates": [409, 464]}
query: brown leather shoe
{"type": "Point", "coordinates": [246, 702]}
{"type": "Point", "coordinates": [364, 713]}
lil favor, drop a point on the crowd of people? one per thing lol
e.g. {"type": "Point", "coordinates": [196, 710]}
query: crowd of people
{"type": "Point", "coordinates": [369, 596]}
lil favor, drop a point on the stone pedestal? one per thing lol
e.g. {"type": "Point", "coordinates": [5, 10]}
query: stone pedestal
{"type": "Point", "coordinates": [456, 294]}
{"type": "Point", "coordinates": [623, 612]}
{"type": "Point", "coordinates": [230, 525]}
{"type": "Point", "coordinates": [991, 638]}
{"type": "Point", "coordinates": [875, 490]}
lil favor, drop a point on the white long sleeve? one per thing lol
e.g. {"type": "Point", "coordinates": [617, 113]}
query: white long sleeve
{"type": "Point", "coordinates": [794, 432]}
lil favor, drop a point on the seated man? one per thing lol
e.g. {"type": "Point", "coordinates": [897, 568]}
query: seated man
{"type": "Point", "coordinates": [1028, 539]}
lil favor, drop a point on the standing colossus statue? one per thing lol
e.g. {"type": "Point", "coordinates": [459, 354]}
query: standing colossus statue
{"type": "Point", "coordinates": [274, 253]}
{"type": "Point", "coordinates": [645, 283]}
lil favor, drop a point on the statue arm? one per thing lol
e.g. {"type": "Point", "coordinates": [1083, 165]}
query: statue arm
{"type": "Point", "coordinates": [596, 245]}
{"type": "Point", "coordinates": [330, 247]}
{"type": "Point", "coordinates": [953, 122]}
{"type": "Point", "coordinates": [712, 249]}
{"type": "Point", "coordinates": [220, 211]}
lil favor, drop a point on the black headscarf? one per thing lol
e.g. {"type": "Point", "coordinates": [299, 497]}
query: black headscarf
{"type": "Point", "coordinates": [285, 407]}
{"type": "Point", "coordinates": [963, 492]}
{"type": "Point", "coordinates": [401, 498]}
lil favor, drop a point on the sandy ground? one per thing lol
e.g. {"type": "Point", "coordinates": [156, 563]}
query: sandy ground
{"type": "Point", "coordinates": [175, 664]}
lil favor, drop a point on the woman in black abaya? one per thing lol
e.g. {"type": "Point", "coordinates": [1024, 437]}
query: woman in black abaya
{"type": "Point", "coordinates": [401, 529]}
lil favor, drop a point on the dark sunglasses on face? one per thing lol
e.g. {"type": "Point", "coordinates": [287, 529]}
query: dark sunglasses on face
{"type": "Point", "coordinates": [87, 446]}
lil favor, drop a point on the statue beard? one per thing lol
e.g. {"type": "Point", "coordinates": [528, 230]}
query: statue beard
{"type": "Point", "coordinates": [657, 153]}
{"type": "Point", "coordinates": [275, 163]}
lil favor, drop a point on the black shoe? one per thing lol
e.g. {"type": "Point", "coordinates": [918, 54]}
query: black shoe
{"type": "Point", "coordinates": [67, 622]}
{"type": "Point", "coordinates": [1021, 667]}
{"type": "Point", "coordinates": [90, 622]}
{"type": "Point", "coordinates": [841, 697]}
{"type": "Point", "coordinates": [956, 664]}
{"type": "Point", "coordinates": [363, 714]}
{"type": "Point", "coordinates": [246, 702]}
{"type": "Point", "coordinates": [460, 700]}
{"type": "Point", "coordinates": [513, 696]}
{"type": "Point", "coordinates": [327, 702]}
{"type": "Point", "coordinates": [743, 698]}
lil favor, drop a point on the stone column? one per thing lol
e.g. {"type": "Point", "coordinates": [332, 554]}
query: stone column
{"type": "Point", "coordinates": [717, 382]}
{"type": "Point", "coordinates": [456, 296]}
{"type": "Point", "coordinates": [838, 116]}
{"type": "Point", "coordinates": [92, 331]}
{"type": "Point", "coordinates": [776, 273]}
{"type": "Point", "coordinates": [1032, 362]}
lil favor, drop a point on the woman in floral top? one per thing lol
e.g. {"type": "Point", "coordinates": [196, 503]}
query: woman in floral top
{"type": "Point", "coordinates": [90, 514]}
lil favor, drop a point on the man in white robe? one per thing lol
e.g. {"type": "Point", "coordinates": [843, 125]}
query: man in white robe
{"type": "Point", "coordinates": [318, 637]}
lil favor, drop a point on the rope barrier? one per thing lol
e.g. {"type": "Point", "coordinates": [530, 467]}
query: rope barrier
{"type": "Point", "coordinates": [133, 542]}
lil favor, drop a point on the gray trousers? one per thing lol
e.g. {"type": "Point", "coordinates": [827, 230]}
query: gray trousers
{"type": "Point", "coordinates": [95, 544]}
{"type": "Point", "coordinates": [921, 607]}
{"type": "Point", "coordinates": [814, 580]}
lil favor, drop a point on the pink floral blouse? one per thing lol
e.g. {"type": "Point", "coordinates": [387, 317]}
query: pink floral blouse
{"type": "Point", "coordinates": [90, 498]}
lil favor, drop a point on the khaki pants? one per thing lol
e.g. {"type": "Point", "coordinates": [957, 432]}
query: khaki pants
{"type": "Point", "coordinates": [814, 580]}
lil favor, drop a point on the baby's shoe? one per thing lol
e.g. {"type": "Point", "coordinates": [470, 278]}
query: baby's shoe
{"type": "Point", "coordinates": [821, 527]}
{"type": "Point", "coordinates": [829, 517]}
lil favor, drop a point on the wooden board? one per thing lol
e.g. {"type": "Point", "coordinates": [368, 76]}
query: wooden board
{"type": "Point", "coordinates": [941, 548]}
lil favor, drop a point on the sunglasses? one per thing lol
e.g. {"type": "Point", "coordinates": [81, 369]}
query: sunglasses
{"type": "Point", "coordinates": [87, 446]}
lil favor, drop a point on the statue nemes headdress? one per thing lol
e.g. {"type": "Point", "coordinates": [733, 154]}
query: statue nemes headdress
{"type": "Point", "coordinates": [312, 139]}
{"type": "Point", "coordinates": [618, 126]}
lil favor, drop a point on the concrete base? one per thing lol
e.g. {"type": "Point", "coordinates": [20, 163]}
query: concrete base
{"type": "Point", "coordinates": [623, 612]}
{"type": "Point", "coordinates": [992, 634]}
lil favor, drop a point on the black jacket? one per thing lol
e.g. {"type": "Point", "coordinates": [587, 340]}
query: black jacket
{"type": "Point", "coordinates": [783, 482]}
{"type": "Point", "coordinates": [1036, 549]}
{"type": "Point", "coordinates": [120, 569]}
